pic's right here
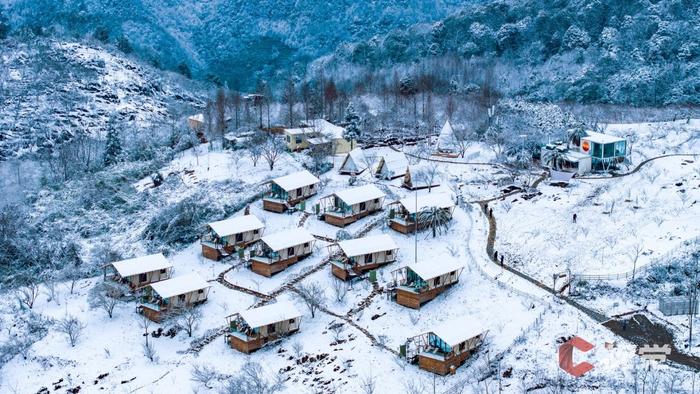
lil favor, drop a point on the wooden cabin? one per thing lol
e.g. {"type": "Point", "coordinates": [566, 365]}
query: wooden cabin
{"type": "Point", "coordinates": [418, 177]}
{"type": "Point", "coordinates": [360, 255]}
{"type": "Point", "coordinates": [419, 283]}
{"type": "Point", "coordinates": [287, 191]}
{"type": "Point", "coordinates": [350, 205]}
{"type": "Point", "coordinates": [280, 250]}
{"type": "Point", "coordinates": [167, 297]}
{"type": "Point", "coordinates": [353, 163]}
{"type": "Point", "coordinates": [446, 145]}
{"type": "Point", "coordinates": [390, 167]}
{"type": "Point", "coordinates": [223, 237]}
{"type": "Point", "coordinates": [139, 271]}
{"type": "Point", "coordinates": [406, 212]}
{"type": "Point", "coordinates": [252, 329]}
{"type": "Point", "coordinates": [318, 131]}
{"type": "Point", "coordinates": [446, 347]}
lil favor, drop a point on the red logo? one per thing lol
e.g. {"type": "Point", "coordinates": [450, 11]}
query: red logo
{"type": "Point", "coordinates": [566, 356]}
{"type": "Point", "coordinates": [585, 145]}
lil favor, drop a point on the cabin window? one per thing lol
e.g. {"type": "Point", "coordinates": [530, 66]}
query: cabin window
{"type": "Point", "coordinates": [369, 258]}
{"type": "Point", "coordinates": [291, 321]}
{"type": "Point", "coordinates": [389, 253]}
{"type": "Point", "coordinates": [162, 271]}
{"type": "Point", "coordinates": [143, 278]}
{"type": "Point", "coordinates": [290, 251]}
{"type": "Point", "coordinates": [297, 139]}
{"type": "Point", "coordinates": [271, 329]}
{"type": "Point", "coordinates": [363, 206]}
{"type": "Point", "coordinates": [376, 201]}
{"type": "Point", "coordinates": [299, 192]}
{"type": "Point", "coordinates": [181, 298]}
{"type": "Point", "coordinates": [256, 231]}
{"type": "Point", "coordinates": [461, 347]}
{"type": "Point", "coordinates": [200, 291]}
{"type": "Point", "coordinates": [306, 245]}
{"type": "Point", "coordinates": [239, 237]}
{"type": "Point", "coordinates": [437, 281]}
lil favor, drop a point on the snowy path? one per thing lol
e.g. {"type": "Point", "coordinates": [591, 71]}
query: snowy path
{"type": "Point", "coordinates": [639, 166]}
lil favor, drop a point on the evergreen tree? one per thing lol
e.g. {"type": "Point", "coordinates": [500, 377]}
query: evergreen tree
{"type": "Point", "coordinates": [113, 148]}
{"type": "Point", "coordinates": [352, 130]}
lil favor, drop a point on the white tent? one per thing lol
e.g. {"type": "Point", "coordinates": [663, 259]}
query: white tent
{"type": "Point", "coordinates": [270, 314]}
{"type": "Point", "coordinates": [359, 194]}
{"type": "Point", "coordinates": [296, 180]}
{"type": "Point", "coordinates": [287, 239]}
{"type": "Point", "coordinates": [457, 331]}
{"type": "Point", "coordinates": [354, 162]}
{"type": "Point", "coordinates": [180, 285]}
{"type": "Point", "coordinates": [391, 166]}
{"type": "Point", "coordinates": [367, 245]}
{"type": "Point", "coordinates": [141, 265]}
{"type": "Point", "coordinates": [237, 225]}
{"type": "Point", "coordinates": [445, 141]}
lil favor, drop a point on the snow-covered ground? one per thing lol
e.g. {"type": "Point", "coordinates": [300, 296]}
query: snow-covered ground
{"type": "Point", "coordinates": [524, 322]}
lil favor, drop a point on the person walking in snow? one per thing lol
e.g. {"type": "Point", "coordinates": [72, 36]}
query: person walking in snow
{"type": "Point", "coordinates": [574, 218]}
{"type": "Point", "coordinates": [501, 260]}
{"type": "Point", "coordinates": [495, 255]}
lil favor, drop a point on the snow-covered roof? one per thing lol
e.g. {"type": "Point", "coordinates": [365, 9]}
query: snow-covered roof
{"type": "Point", "coordinates": [141, 265]}
{"type": "Point", "coordinates": [440, 200]}
{"type": "Point", "coordinates": [287, 239]}
{"type": "Point", "coordinates": [394, 163]}
{"type": "Point", "coordinates": [359, 194]}
{"type": "Point", "coordinates": [429, 269]}
{"type": "Point", "coordinates": [457, 331]}
{"type": "Point", "coordinates": [354, 160]}
{"type": "Point", "coordinates": [367, 245]}
{"type": "Point", "coordinates": [327, 128]}
{"type": "Point", "coordinates": [320, 126]}
{"type": "Point", "coordinates": [318, 140]}
{"type": "Point", "coordinates": [271, 313]}
{"type": "Point", "coordinates": [296, 180]}
{"type": "Point", "coordinates": [601, 138]}
{"type": "Point", "coordinates": [179, 285]}
{"type": "Point", "coordinates": [237, 225]}
{"type": "Point", "coordinates": [198, 117]}
{"type": "Point", "coordinates": [446, 137]}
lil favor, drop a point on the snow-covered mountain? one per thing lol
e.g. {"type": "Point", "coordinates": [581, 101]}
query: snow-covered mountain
{"type": "Point", "coordinates": [52, 91]}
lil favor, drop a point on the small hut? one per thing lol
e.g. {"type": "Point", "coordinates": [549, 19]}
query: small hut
{"type": "Point", "coordinates": [421, 282]}
{"type": "Point", "coordinates": [319, 131]}
{"type": "Point", "coordinates": [287, 191]}
{"type": "Point", "coordinates": [446, 347]}
{"type": "Point", "coordinates": [167, 297]}
{"type": "Point", "coordinates": [417, 177]}
{"type": "Point", "coordinates": [391, 167]}
{"type": "Point", "coordinates": [445, 145]}
{"type": "Point", "coordinates": [280, 250]}
{"type": "Point", "coordinates": [360, 255]}
{"type": "Point", "coordinates": [350, 205]}
{"type": "Point", "coordinates": [354, 163]}
{"type": "Point", "coordinates": [223, 237]}
{"type": "Point", "coordinates": [196, 122]}
{"type": "Point", "coordinates": [606, 151]}
{"type": "Point", "coordinates": [252, 329]}
{"type": "Point", "coordinates": [139, 271]}
{"type": "Point", "coordinates": [407, 211]}
{"type": "Point", "coordinates": [678, 305]}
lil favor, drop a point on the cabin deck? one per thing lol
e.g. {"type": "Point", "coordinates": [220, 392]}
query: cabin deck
{"type": "Point", "coordinates": [439, 363]}
{"type": "Point", "coordinates": [340, 220]}
{"type": "Point", "coordinates": [341, 273]}
{"type": "Point", "coordinates": [410, 298]}
{"type": "Point", "coordinates": [247, 345]}
{"type": "Point", "coordinates": [264, 266]}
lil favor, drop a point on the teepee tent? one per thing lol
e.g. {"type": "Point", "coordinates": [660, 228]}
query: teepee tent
{"type": "Point", "coordinates": [445, 141]}
{"type": "Point", "coordinates": [354, 162]}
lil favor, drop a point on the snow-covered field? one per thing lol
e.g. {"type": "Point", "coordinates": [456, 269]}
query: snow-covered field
{"type": "Point", "coordinates": [523, 321]}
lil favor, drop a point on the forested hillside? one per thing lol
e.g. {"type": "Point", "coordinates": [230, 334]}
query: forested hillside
{"type": "Point", "coordinates": [631, 51]}
{"type": "Point", "coordinates": [233, 41]}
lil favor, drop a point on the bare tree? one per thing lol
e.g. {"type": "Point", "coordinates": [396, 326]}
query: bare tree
{"type": "Point", "coordinates": [190, 319]}
{"type": "Point", "coordinates": [272, 149]}
{"type": "Point", "coordinates": [72, 327]}
{"type": "Point", "coordinates": [633, 254]}
{"type": "Point", "coordinates": [27, 295]}
{"type": "Point", "coordinates": [339, 290]}
{"type": "Point", "coordinates": [149, 351]}
{"type": "Point", "coordinates": [51, 290]}
{"type": "Point", "coordinates": [204, 374]}
{"type": "Point", "coordinates": [297, 348]}
{"type": "Point", "coordinates": [313, 295]}
{"type": "Point", "coordinates": [220, 113]}
{"type": "Point", "coordinates": [106, 296]}
{"type": "Point", "coordinates": [337, 329]}
{"type": "Point", "coordinates": [289, 97]}
{"type": "Point", "coordinates": [252, 379]}
{"type": "Point", "coordinates": [368, 383]}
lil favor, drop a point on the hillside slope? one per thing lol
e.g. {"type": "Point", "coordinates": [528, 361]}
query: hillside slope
{"type": "Point", "coordinates": [235, 41]}
{"type": "Point", "coordinates": [52, 91]}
